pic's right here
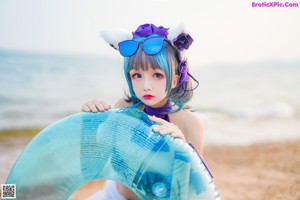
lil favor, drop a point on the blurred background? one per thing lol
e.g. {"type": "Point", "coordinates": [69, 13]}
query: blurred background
{"type": "Point", "coordinates": [247, 60]}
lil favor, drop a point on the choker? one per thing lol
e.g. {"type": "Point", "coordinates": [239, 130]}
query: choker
{"type": "Point", "coordinates": [161, 112]}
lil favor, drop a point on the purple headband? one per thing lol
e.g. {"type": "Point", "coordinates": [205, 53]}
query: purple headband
{"type": "Point", "coordinates": [148, 29]}
{"type": "Point", "coordinates": [181, 42]}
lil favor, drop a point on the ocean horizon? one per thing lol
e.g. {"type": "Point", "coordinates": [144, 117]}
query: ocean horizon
{"type": "Point", "coordinates": [38, 89]}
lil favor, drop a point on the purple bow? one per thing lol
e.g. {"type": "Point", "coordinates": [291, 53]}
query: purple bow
{"type": "Point", "coordinates": [148, 29]}
{"type": "Point", "coordinates": [183, 75]}
{"type": "Point", "coordinates": [183, 41]}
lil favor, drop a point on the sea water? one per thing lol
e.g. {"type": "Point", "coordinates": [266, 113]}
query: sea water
{"type": "Point", "coordinates": [239, 103]}
{"type": "Point", "coordinates": [37, 89]}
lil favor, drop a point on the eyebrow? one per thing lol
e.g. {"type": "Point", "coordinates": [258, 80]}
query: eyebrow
{"type": "Point", "coordinates": [137, 70]}
{"type": "Point", "coordinates": [134, 70]}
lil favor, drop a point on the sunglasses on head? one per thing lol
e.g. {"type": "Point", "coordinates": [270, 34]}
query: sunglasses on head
{"type": "Point", "coordinates": [151, 46]}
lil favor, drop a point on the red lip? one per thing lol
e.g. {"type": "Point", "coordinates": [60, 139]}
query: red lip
{"type": "Point", "coordinates": [148, 96]}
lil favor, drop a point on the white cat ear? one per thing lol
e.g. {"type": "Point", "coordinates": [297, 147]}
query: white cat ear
{"type": "Point", "coordinates": [113, 37]}
{"type": "Point", "coordinates": [173, 32]}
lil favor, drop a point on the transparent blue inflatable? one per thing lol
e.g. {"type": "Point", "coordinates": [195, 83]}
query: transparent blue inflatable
{"type": "Point", "coordinates": [118, 145]}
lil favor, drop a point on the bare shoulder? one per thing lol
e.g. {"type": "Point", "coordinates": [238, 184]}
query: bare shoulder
{"type": "Point", "coordinates": [192, 117]}
{"type": "Point", "coordinates": [192, 127]}
{"type": "Point", "coordinates": [121, 103]}
{"type": "Point", "coordinates": [189, 118]}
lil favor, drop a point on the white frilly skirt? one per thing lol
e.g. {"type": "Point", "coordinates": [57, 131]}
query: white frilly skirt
{"type": "Point", "coordinates": [109, 192]}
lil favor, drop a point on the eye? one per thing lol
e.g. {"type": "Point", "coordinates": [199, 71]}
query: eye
{"type": "Point", "coordinates": [136, 75]}
{"type": "Point", "coordinates": [158, 76]}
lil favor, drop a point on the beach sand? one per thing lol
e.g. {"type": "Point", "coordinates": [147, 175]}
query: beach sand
{"type": "Point", "coordinates": [268, 171]}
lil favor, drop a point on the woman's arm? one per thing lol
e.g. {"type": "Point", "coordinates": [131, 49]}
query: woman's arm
{"type": "Point", "coordinates": [95, 106]}
{"type": "Point", "coordinates": [194, 129]}
{"type": "Point", "coordinates": [101, 106]}
{"type": "Point", "coordinates": [121, 103]}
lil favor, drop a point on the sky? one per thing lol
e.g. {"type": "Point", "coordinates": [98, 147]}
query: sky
{"type": "Point", "coordinates": [223, 31]}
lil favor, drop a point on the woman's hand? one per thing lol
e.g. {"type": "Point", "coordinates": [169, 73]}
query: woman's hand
{"type": "Point", "coordinates": [95, 106]}
{"type": "Point", "coordinates": [167, 128]}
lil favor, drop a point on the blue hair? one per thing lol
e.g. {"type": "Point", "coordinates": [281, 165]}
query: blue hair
{"type": "Point", "coordinates": [166, 60]}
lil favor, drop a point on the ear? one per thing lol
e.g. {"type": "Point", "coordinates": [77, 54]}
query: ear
{"type": "Point", "coordinates": [173, 32]}
{"type": "Point", "coordinates": [174, 82]}
{"type": "Point", "coordinates": [113, 38]}
{"type": "Point", "coordinates": [179, 33]}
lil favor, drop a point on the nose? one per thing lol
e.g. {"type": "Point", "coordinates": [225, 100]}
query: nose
{"type": "Point", "coordinates": [147, 85]}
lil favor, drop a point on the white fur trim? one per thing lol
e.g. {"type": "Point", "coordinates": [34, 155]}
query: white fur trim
{"type": "Point", "coordinates": [173, 32]}
{"type": "Point", "coordinates": [115, 37]}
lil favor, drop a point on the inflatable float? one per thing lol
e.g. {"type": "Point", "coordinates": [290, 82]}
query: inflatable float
{"type": "Point", "coordinates": [118, 145]}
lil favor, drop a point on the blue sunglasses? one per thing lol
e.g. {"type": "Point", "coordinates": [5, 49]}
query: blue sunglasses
{"type": "Point", "coordinates": [151, 46]}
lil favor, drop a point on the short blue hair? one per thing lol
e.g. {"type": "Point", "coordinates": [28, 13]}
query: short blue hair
{"type": "Point", "coordinates": [166, 60]}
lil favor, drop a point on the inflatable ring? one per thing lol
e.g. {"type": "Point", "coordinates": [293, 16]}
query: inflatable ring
{"type": "Point", "coordinates": [119, 145]}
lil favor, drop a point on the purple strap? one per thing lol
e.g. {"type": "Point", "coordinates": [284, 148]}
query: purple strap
{"type": "Point", "coordinates": [183, 74]}
{"type": "Point", "coordinates": [161, 112]}
{"type": "Point", "coordinates": [191, 145]}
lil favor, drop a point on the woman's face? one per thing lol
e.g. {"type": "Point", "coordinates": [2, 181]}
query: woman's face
{"type": "Point", "coordinates": [149, 86]}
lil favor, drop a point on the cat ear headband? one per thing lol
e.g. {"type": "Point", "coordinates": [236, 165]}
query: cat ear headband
{"type": "Point", "coordinates": [123, 40]}
{"type": "Point", "coordinates": [178, 37]}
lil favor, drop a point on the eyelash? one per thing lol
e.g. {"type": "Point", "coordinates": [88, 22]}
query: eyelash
{"type": "Point", "coordinates": [155, 75]}
{"type": "Point", "coordinates": [160, 76]}
{"type": "Point", "coordinates": [134, 75]}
